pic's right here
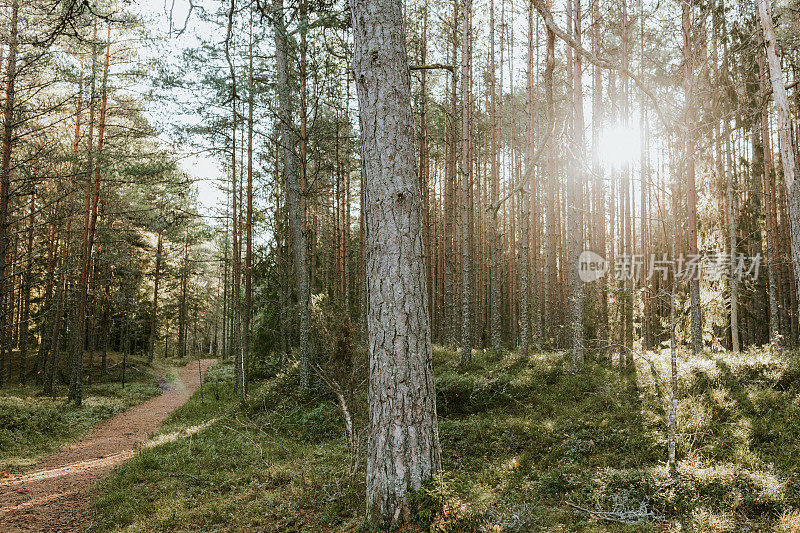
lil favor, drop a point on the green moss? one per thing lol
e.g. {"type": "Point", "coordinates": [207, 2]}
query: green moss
{"type": "Point", "coordinates": [521, 441]}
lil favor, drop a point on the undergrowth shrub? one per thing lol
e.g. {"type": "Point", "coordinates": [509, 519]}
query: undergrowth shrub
{"type": "Point", "coordinates": [463, 394]}
{"type": "Point", "coordinates": [440, 507]}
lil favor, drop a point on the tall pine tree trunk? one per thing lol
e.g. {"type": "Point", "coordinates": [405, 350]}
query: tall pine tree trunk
{"type": "Point", "coordinates": [450, 193]}
{"type": "Point", "coordinates": [403, 450]}
{"type": "Point", "coordinates": [598, 183]}
{"type": "Point", "coordinates": [524, 293]}
{"type": "Point", "coordinates": [154, 309]}
{"type": "Point", "coordinates": [81, 295]}
{"type": "Point", "coordinates": [466, 185]}
{"type": "Point", "coordinates": [248, 262]}
{"type": "Point", "coordinates": [734, 281]}
{"type": "Point", "coordinates": [494, 230]}
{"type": "Point", "coordinates": [575, 194]}
{"type": "Point", "coordinates": [551, 279]}
{"type": "Point", "coordinates": [26, 297]}
{"type": "Point", "coordinates": [236, 339]}
{"type": "Point", "coordinates": [5, 172]}
{"type": "Point", "coordinates": [47, 307]}
{"type": "Point", "coordinates": [769, 204]}
{"type": "Point", "coordinates": [182, 326]}
{"type": "Point", "coordinates": [691, 189]}
{"type": "Point", "coordinates": [293, 192]}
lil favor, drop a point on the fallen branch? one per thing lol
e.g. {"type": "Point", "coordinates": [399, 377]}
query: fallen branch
{"type": "Point", "coordinates": [352, 436]}
{"type": "Point", "coordinates": [621, 517]}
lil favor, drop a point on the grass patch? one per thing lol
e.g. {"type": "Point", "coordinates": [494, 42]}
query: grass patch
{"type": "Point", "coordinates": [275, 463]}
{"type": "Point", "coordinates": [33, 425]}
{"type": "Point", "coordinates": [524, 442]}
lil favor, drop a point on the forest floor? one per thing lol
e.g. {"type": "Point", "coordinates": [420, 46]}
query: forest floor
{"type": "Point", "coordinates": [53, 494]}
{"type": "Point", "coordinates": [33, 424]}
{"type": "Point", "coordinates": [527, 445]}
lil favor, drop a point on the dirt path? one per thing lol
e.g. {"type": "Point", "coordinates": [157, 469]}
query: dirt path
{"type": "Point", "coordinates": [54, 494]}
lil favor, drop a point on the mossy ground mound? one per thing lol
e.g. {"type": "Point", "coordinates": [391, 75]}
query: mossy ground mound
{"type": "Point", "coordinates": [526, 445]}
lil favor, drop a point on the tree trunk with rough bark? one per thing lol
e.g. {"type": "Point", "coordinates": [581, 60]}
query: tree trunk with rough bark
{"type": "Point", "coordinates": [5, 167]}
{"type": "Point", "coordinates": [550, 274]}
{"type": "Point", "coordinates": [691, 189]}
{"type": "Point", "coordinates": [575, 195]}
{"type": "Point", "coordinates": [450, 193]}
{"type": "Point", "coordinates": [525, 223]}
{"type": "Point", "coordinates": [403, 450]}
{"type": "Point", "coordinates": [494, 230]}
{"type": "Point", "coordinates": [248, 261]}
{"type": "Point", "coordinates": [466, 185]}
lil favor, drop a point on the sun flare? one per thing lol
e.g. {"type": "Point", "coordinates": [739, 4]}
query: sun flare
{"type": "Point", "coordinates": [619, 145]}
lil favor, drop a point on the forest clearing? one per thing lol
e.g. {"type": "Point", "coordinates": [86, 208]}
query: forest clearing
{"type": "Point", "coordinates": [399, 265]}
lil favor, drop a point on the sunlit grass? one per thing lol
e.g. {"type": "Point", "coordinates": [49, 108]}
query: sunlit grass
{"type": "Point", "coordinates": [521, 441]}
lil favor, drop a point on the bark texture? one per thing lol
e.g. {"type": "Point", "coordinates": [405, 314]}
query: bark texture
{"type": "Point", "coordinates": [575, 206]}
{"type": "Point", "coordinates": [494, 236]}
{"type": "Point", "coordinates": [403, 450]}
{"type": "Point", "coordinates": [5, 168]}
{"type": "Point", "coordinates": [466, 186]}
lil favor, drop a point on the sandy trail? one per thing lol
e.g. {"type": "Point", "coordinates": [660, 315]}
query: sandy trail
{"type": "Point", "coordinates": [54, 494]}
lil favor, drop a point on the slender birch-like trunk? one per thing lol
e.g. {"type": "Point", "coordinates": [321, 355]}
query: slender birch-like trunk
{"type": "Point", "coordinates": [787, 147]}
